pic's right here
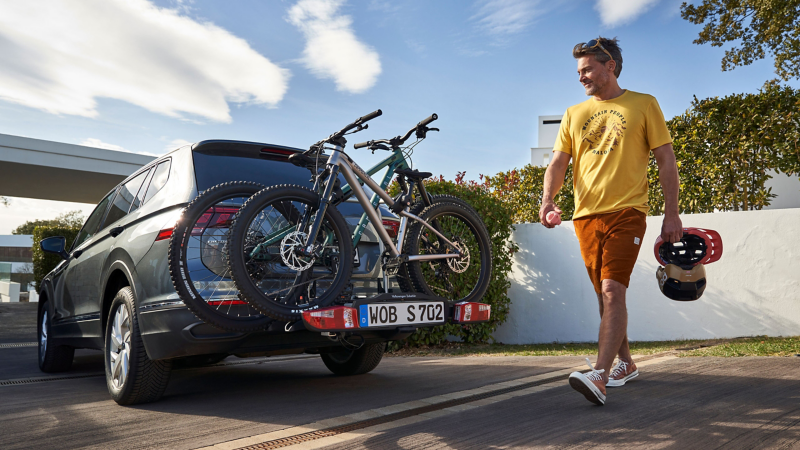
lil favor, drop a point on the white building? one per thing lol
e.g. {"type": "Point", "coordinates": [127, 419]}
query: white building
{"type": "Point", "coordinates": [16, 259]}
{"type": "Point", "coordinates": [787, 188]}
{"type": "Point", "coordinates": [548, 130]}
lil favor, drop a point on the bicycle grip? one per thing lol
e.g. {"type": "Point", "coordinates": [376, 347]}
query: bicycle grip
{"type": "Point", "coordinates": [369, 116]}
{"type": "Point", "coordinates": [428, 120]}
{"type": "Point", "coordinates": [363, 144]}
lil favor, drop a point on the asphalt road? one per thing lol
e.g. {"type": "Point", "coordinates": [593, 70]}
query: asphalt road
{"type": "Point", "coordinates": [675, 403]}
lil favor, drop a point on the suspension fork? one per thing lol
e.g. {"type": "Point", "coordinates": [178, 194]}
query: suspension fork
{"type": "Point", "coordinates": [324, 202]}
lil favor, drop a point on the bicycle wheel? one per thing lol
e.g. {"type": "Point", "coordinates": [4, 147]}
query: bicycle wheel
{"type": "Point", "coordinates": [457, 279]}
{"type": "Point", "coordinates": [197, 259]}
{"type": "Point", "coordinates": [270, 275]}
{"type": "Point", "coordinates": [403, 277]}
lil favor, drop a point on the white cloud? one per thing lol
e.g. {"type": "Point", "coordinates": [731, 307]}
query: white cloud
{"type": "Point", "coordinates": [503, 17]}
{"type": "Point", "coordinates": [332, 49]}
{"type": "Point", "coordinates": [176, 143]}
{"type": "Point", "coordinates": [92, 142]}
{"type": "Point", "coordinates": [61, 55]}
{"type": "Point", "coordinates": [619, 12]}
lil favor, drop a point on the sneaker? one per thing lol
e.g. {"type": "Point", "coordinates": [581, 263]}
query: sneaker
{"type": "Point", "coordinates": [621, 373]}
{"type": "Point", "coordinates": [590, 384]}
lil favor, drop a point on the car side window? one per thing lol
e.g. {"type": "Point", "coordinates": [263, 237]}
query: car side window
{"type": "Point", "coordinates": [122, 202]}
{"type": "Point", "coordinates": [160, 177]}
{"type": "Point", "coordinates": [138, 200]}
{"type": "Point", "coordinates": [92, 223]}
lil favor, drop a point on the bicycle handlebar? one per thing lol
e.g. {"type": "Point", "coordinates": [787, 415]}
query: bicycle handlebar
{"type": "Point", "coordinates": [397, 141]}
{"type": "Point", "coordinates": [360, 121]}
{"type": "Point", "coordinates": [430, 119]}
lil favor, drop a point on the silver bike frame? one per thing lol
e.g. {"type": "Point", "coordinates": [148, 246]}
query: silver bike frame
{"type": "Point", "coordinates": [352, 173]}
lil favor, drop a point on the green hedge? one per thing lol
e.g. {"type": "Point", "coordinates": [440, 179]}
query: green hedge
{"type": "Point", "coordinates": [498, 220]}
{"type": "Point", "coordinates": [45, 262]}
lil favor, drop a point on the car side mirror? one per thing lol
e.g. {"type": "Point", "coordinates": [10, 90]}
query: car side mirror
{"type": "Point", "coordinates": [55, 244]}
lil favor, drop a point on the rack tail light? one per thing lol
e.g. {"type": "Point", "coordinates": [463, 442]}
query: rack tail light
{"type": "Point", "coordinates": [472, 312]}
{"type": "Point", "coordinates": [331, 318]}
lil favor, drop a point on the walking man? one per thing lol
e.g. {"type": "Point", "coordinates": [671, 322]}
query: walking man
{"type": "Point", "coordinates": [609, 138]}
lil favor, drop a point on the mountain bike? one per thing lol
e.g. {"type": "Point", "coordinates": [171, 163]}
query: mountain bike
{"type": "Point", "coordinates": [290, 250]}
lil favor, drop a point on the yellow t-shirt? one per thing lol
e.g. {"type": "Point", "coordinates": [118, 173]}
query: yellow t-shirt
{"type": "Point", "coordinates": [610, 143]}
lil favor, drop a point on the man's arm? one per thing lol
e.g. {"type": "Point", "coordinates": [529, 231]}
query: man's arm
{"type": "Point", "coordinates": [672, 228]}
{"type": "Point", "coordinates": [553, 180]}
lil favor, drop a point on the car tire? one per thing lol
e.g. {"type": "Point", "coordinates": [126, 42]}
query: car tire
{"type": "Point", "coordinates": [132, 378]}
{"type": "Point", "coordinates": [354, 362]}
{"type": "Point", "coordinates": [52, 358]}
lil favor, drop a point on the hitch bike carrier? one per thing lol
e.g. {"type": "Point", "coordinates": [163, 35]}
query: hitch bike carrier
{"type": "Point", "coordinates": [394, 310]}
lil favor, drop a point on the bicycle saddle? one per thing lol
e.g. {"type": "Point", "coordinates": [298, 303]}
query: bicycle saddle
{"type": "Point", "coordinates": [413, 174]}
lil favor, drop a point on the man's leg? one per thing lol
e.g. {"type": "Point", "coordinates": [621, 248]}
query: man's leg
{"type": "Point", "coordinates": [624, 351]}
{"type": "Point", "coordinates": [613, 325]}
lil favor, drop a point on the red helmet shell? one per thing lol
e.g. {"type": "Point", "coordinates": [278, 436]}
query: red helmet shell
{"type": "Point", "coordinates": [712, 240]}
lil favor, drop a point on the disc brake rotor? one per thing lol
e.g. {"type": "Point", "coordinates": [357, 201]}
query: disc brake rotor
{"type": "Point", "coordinates": [290, 242]}
{"type": "Point", "coordinates": [459, 265]}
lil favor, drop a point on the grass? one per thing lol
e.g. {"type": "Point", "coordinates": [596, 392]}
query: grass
{"type": "Point", "coordinates": [753, 346]}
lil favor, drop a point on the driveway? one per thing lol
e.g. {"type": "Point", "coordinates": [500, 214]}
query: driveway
{"type": "Point", "coordinates": [409, 402]}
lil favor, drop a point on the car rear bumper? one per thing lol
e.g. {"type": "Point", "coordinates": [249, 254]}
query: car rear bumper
{"type": "Point", "coordinates": [172, 331]}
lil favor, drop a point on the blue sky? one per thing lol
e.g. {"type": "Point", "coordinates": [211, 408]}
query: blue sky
{"type": "Point", "coordinates": [146, 76]}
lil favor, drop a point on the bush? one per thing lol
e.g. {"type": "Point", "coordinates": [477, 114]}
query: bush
{"type": "Point", "coordinates": [521, 190]}
{"type": "Point", "coordinates": [43, 262]}
{"type": "Point", "coordinates": [498, 219]}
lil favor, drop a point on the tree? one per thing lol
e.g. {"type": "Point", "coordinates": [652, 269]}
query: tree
{"type": "Point", "coordinates": [762, 26]}
{"type": "Point", "coordinates": [726, 147]}
{"type": "Point", "coordinates": [4, 201]}
{"type": "Point", "coordinates": [71, 219]}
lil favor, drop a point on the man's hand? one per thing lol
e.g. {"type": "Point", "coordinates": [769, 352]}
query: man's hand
{"type": "Point", "coordinates": [546, 208]}
{"type": "Point", "coordinates": [671, 229]}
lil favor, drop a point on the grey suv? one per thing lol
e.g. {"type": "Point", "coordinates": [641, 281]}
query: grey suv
{"type": "Point", "coordinates": [113, 290]}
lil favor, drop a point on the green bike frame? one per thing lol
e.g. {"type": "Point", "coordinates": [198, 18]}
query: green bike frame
{"type": "Point", "coordinates": [395, 161]}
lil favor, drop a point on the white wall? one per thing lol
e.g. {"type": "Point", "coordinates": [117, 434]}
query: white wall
{"type": "Point", "coordinates": [753, 290]}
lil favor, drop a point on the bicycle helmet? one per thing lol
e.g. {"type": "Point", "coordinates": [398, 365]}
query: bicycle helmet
{"type": "Point", "coordinates": [697, 246]}
{"type": "Point", "coordinates": [681, 284]}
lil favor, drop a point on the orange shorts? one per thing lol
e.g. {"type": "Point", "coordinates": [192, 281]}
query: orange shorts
{"type": "Point", "coordinates": [610, 244]}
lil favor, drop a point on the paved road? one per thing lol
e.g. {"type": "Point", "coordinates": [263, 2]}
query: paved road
{"type": "Point", "coordinates": [675, 403]}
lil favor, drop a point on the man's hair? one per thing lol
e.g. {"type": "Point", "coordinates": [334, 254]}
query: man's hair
{"type": "Point", "coordinates": [611, 45]}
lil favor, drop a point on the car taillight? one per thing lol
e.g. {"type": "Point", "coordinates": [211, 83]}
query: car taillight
{"type": "Point", "coordinates": [331, 318]}
{"type": "Point", "coordinates": [468, 312]}
{"type": "Point", "coordinates": [391, 227]}
{"type": "Point", "coordinates": [166, 233]}
{"type": "Point", "coordinates": [214, 217]}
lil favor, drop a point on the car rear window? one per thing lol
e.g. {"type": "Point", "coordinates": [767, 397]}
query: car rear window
{"type": "Point", "coordinates": [213, 169]}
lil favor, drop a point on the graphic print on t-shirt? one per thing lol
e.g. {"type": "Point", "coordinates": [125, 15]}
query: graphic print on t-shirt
{"type": "Point", "coordinates": [603, 131]}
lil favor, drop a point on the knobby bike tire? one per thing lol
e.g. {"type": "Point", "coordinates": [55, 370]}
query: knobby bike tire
{"type": "Point", "coordinates": [438, 277]}
{"type": "Point", "coordinates": [271, 285]}
{"type": "Point", "coordinates": [196, 260]}
{"type": "Point", "coordinates": [403, 277]}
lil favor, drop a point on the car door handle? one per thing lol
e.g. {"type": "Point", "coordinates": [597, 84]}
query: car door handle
{"type": "Point", "coordinates": [116, 231]}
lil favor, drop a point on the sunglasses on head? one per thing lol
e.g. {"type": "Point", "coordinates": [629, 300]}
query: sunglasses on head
{"type": "Point", "coordinates": [595, 43]}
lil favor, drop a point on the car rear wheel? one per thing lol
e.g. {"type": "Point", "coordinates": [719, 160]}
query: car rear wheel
{"type": "Point", "coordinates": [131, 376]}
{"type": "Point", "coordinates": [52, 357]}
{"type": "Point", "coordinates": [354, 362]}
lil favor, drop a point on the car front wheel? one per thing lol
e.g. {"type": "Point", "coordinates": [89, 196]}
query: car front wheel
{"type": "Point", "coordinates": [52, 357]}
{"type": "Point", "coordinates": [131, 376]}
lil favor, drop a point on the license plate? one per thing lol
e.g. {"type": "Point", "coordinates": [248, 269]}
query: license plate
{"type": "Point", "coordinates": [388, 314]}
